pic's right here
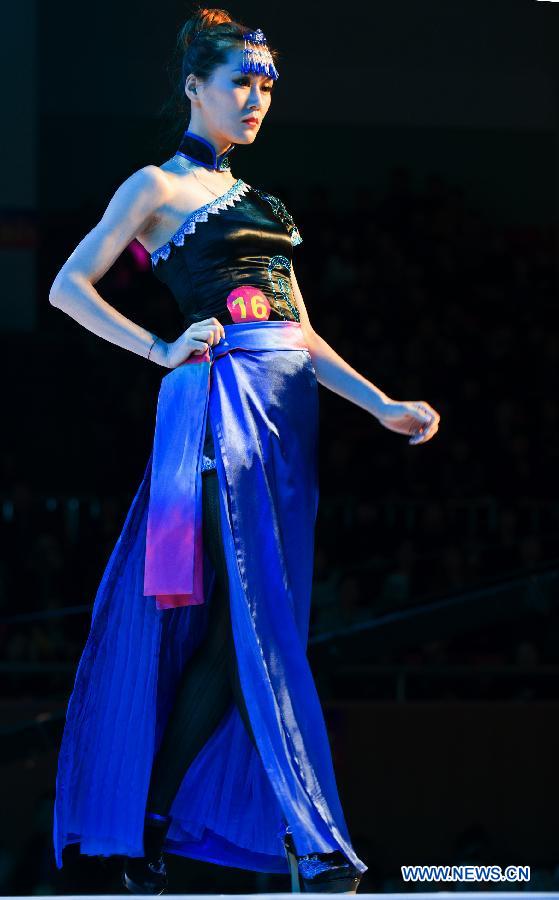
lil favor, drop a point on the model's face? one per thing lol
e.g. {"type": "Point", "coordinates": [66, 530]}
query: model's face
{"type": "Point", "coordinates": [220, 104]}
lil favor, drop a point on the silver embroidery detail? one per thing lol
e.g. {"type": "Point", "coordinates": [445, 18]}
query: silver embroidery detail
{"type": "Point", "coordinates": [200, 215]}
{"type": "Point", "coordinates": [207, 463]}
{"type": "Point", "coordinates": [283, 214]}
{"type": "Point", "coordinates": [283, 297]}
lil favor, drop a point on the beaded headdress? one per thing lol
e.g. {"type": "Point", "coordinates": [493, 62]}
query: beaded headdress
{"type": "Point", "coordinates": [257, 56]}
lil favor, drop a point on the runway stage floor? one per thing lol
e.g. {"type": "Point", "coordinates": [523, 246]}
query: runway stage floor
{"type": "Point", "coordinates": [424, 895]}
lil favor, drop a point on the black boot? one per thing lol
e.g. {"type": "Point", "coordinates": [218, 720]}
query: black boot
{"type": "Point", "coordinates": [147, 874]}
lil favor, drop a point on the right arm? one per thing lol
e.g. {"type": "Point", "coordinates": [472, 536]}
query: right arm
{"type": "Point", "coordinates": [128, 214]}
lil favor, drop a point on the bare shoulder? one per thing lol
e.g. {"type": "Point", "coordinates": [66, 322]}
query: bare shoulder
{"type": "Point", "coordinates": [141, 201]}
{"type": "Point", "coordinates": [166, 182]}
{"type": "Point", "coordinates": [180, 192]}
{"type": "Point", "coordinates": [131, 210]}
{"type": "Point", "coordinates": [146, 189]}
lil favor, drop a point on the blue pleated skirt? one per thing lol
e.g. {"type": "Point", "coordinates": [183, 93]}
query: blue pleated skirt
{"type": "Point", "coordinates": [234, 802]}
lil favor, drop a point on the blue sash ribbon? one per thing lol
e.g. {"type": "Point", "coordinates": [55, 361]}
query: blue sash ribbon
{"type": "Point", "coordinates": [174, 547]}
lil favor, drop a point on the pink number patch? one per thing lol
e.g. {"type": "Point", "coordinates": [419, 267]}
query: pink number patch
{"type": "Point", "coordinates": [248, 304]}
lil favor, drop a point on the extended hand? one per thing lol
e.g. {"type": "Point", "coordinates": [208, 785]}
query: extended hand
{"type": "Point", "coordinates": [414, 417]}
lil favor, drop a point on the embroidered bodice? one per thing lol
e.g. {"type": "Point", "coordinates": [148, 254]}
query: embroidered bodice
{"type": "Point", "coordinates": [231, 258]}
{"type": "Point", "coordinates": [242, 238]}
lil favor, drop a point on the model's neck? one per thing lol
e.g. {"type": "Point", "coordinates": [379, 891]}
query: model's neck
{"type": "Point", "coordinates": [200, 149]}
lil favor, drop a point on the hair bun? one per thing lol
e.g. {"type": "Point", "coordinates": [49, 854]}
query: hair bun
{"type": "Point", "coordinates": [202, 19]}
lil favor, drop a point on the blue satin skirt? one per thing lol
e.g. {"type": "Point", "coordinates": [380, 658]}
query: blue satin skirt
{"type": "Point", "coordinates": [234, 803]}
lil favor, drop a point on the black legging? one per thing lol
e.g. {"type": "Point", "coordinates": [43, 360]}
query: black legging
{"type": "Point", "coordinates": [210, 681]}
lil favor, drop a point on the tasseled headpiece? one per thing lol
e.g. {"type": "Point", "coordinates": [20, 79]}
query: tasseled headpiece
{"type": "Point", "coordinates": [256, 55]}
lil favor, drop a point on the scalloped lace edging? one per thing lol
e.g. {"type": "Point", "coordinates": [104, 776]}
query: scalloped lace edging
{"type": "Point", "coordinates": [200, 215]}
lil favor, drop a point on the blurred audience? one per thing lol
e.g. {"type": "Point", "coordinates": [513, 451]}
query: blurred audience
{"type": "Point", "coordinates": [415, 289]}
{"type": "Point", "coordinates": [428, 299]}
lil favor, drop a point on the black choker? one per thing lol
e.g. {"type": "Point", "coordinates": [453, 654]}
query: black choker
{"type": "Point", "coordinates": [199, 150]}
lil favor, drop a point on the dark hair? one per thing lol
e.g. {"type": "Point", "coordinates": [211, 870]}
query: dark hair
{"type": "Point", "coordinates": [203, 43]}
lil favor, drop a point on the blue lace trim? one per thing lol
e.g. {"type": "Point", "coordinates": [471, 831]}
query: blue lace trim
{"type": "Point", "coordinates": [200, 215]}
{"type": "Point", "coordinates": [207, 463]}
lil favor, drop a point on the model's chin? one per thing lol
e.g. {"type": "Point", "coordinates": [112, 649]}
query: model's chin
{"type": "Point", "coordinates": [247, 135]}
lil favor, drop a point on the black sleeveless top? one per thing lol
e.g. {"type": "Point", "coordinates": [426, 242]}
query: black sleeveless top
{"type": "Point", "coordinates": [242, 238]}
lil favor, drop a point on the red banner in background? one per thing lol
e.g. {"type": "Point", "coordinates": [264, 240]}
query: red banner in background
{"type": "Point", "coordinates": [18, 228]}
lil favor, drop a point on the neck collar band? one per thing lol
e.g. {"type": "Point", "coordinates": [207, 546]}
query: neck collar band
{"type": "Point", "coordinates": [200, 151]}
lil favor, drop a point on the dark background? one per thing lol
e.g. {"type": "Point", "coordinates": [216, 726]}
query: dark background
{"type": "Point", "coordinates": [415, 145]}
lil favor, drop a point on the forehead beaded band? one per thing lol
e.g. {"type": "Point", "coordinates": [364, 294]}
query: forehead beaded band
{"type": "Point", "coordinates": [257, 56]}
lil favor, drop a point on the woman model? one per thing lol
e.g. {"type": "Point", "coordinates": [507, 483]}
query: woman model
{"type": "Point", "coordinates": [194, 725]}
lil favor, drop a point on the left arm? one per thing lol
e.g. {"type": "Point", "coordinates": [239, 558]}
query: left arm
{"type": "Point", "coordinates": [406, 417]}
